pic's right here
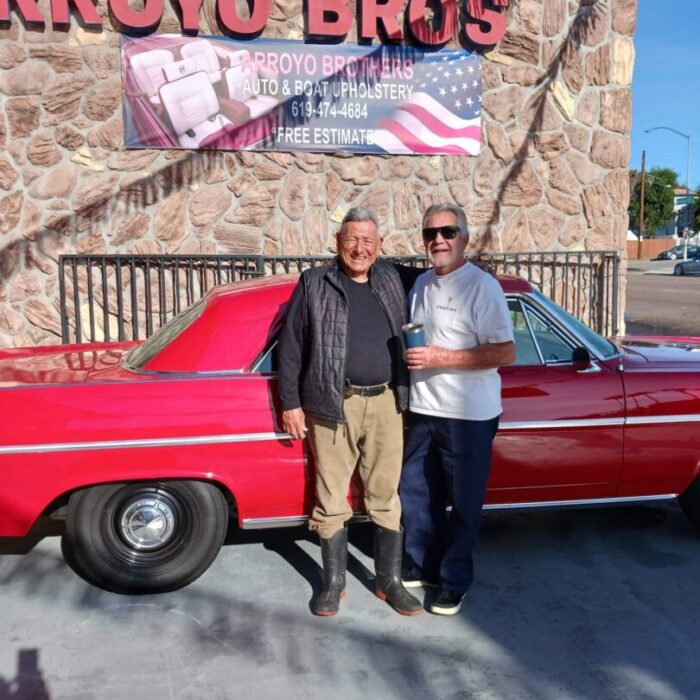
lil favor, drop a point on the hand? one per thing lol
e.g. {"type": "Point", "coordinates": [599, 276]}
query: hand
{"type": "Point", "coordinates": [294, 423]}
{"type": "Point", "coordinates": [424, 357]}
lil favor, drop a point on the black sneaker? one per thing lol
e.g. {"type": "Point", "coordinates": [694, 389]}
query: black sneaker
{"type": "Point", "coordinates": [409, 580]}
{"type": "Point", "coordinates": [446, 602]}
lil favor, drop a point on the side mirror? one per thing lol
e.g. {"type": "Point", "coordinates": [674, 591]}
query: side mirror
{"type": "Point", "coordinates": [581, 359]}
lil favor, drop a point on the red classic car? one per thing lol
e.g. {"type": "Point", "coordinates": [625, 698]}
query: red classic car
{"type": "Point", "coordinates": [150, 451]}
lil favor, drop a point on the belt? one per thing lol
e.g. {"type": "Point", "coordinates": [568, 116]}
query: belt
{"type": "Point", "coordinates": [367, 391]}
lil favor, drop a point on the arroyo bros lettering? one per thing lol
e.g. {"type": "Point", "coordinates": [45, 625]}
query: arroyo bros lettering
{"type": "Point", "coordinates": [484, 25]}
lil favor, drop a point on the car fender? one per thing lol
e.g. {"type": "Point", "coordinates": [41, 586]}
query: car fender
{"type": "Point", "coordinates": [29, 496]}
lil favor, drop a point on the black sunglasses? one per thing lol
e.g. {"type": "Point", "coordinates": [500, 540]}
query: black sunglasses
{"type": "Point", "coordinates": [447, 232]}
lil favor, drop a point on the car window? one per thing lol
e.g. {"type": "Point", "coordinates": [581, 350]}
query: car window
{"type": "Point", "coordinates": [139, 357]}
{"type": "Point", "coordinates": [602, 347]}
{"type": "Point", "coordinates": [536, 341]}
{"type": "Point", "coordinates": [552, 347]}
{"type": "Point", "coordinates": [525, 348]}
{"type": "Point", "coordinates": [269, 361]}
{"type": "Point", "coordinates": [536, 338]}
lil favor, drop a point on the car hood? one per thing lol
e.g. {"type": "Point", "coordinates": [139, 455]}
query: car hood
{"type": "Point", "coordinates": [65, 364]}
{"type": "Point", "coordinates": [661, 351]}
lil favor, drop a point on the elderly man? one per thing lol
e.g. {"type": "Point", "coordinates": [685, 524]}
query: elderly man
{"type": "Point", "coordinates": [343, 379]}
{"type": "Point", "coordinates": [454, 408]}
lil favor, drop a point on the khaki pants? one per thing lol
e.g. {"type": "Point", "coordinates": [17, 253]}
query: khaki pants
{"type": "Point", "coordinates": [371, 440]}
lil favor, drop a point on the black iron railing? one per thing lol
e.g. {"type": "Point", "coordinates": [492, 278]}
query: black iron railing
{"type": "Point", "coordinates": [127, 297]}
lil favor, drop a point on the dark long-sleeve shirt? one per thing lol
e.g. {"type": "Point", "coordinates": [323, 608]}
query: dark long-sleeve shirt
{"type": "Point", "coordinates": [294, 339]}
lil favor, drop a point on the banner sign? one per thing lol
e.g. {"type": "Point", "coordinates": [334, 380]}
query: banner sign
{"type": "Point", "coordinates": [276, 95]}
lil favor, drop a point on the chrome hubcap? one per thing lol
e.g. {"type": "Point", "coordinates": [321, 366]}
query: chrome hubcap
{"type": "Point", "coordinates": [147, 523]}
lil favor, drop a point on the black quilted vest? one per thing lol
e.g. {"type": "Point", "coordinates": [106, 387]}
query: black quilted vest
{"type": "Point", "coordinates": [326, 336]}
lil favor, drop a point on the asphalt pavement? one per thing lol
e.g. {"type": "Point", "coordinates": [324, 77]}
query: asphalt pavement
{"type": "Point", "coordinates": [577, 604]}
{"type": "Point", "coordinates": [657, 303]}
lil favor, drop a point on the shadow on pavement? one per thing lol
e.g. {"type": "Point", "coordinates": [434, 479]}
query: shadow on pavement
{"type": "Point", "coordinates": [285, 543]}
{"type": "Point", "coordinates": [28, 683]}
{"type": "Point", "coordinates": [44, 527]}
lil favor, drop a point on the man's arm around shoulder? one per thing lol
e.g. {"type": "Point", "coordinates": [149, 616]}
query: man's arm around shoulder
{"type": "Point", "coordinates": [408, 275]}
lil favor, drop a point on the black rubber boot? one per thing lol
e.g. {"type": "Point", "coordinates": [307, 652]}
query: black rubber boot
{"type": "Point", "coordinates": [388, 546]}
{"type": "Point", "coordinates": [334, 552]}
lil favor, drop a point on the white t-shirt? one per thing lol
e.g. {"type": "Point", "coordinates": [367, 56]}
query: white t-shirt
{"type": "Point", "coordinates": [463, 309]}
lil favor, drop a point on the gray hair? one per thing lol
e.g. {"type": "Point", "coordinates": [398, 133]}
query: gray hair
{"type": "Point", "coordinates": [359, 214]}
{"type": "Point", "coordinates": [458, 213]}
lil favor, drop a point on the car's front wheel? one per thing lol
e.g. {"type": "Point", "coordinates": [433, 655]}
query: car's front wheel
{"type": "Point", "coordinates": [678, 271]}
{"type": "Point", "coordinates": [672, 256]}
{"type": "Point", "coordinates": [690, 502]}
{"type": "Point", "coordinates": [145, 537]}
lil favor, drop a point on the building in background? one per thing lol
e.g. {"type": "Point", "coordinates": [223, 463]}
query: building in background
{"type": "Point", "coordinates": [551, 173]}
{"type": "Point", "coordinates": [682, 222]}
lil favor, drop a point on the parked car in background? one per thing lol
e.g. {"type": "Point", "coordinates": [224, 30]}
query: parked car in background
{"type": "Point", "coordinates": [151, 451]}
{"type": "Point", "coordinates": [677, 252]}
{"type": "Point", "coordinates": [691, 266]}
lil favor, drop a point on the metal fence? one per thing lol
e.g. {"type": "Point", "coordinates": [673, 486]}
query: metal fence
{"type": "Point", "coordinates": [128, 297]}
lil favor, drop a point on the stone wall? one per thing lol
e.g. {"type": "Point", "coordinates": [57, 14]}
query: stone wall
{"type": "Point", "coordinates": [552, 174]}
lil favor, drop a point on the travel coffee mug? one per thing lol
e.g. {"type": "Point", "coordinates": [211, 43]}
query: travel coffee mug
{"type": "Point", "coordinates": [414, 335]}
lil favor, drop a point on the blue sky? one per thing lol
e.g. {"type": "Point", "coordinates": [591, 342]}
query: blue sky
{"type": "Point", "coordinates": [666, 86]}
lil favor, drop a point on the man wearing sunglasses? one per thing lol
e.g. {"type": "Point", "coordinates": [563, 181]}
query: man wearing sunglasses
{"type": "Point", "coordinates": [455, 404]}
{"type": "Point", "coordinates": [343, 380]}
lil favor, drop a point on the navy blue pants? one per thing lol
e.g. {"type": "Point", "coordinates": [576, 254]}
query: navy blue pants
{"type": "Point", "coordinates": [444, 459]}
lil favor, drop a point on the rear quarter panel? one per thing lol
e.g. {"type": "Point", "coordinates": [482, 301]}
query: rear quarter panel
{"type": "Point", "coordinates": [662, 435]}
{"type": "Point", "coordinates": [267, 477]}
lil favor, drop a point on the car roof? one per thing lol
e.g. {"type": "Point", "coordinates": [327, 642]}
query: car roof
{"type": "Point", "coordinates": [211, 340]}
{"type": "Point", "coordinates": [262, 282]}
{"type": "Point", "coordinates": [512, 284]}
{"type": "Point", "coordinates": [509, 283]}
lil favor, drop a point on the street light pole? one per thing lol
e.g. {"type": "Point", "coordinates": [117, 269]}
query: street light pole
{"type": "Point", "coordinates": [687, 179]}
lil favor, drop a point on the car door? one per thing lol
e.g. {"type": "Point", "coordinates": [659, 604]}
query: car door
{"type": "Point", "coordinates": [288, 463]}
{"type": "Point", "coordinates": [561, 432]}
{"type": "Point", "coordinates": [297, 456]}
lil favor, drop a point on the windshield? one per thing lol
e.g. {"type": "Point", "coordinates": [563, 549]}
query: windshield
{"type": "Point", "coordinates": [139, 357]}
{"type": "Point", "coordinates": [603, 348]}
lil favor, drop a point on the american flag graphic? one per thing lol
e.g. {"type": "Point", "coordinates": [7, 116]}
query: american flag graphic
{"type": "Point", "coordinates": [349, 98]}
{"type": "Point", "coordinates": [443, 115]}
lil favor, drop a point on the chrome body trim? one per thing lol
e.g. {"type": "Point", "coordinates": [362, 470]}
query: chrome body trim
{"type": "Point", "coordinates": [505, 426]}
{"type": "Point", "coordinates": [295, 520]}
{"type": "Point", "coordinates": [559, 424]}
{"type": "Point", "coordinates": [168, 374]}
{"type": "Point", "coordinates": [264, 523]}
{"type": "Point", "coordinates": [659, 420]}
{"type": "Point", "coordinates": [581, 502]}
{"type": "Point", "coordinates": [289, 521]}
{"type": "Point", "coordinates": [153, 442]}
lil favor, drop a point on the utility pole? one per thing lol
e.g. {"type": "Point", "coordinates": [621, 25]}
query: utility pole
{"type": "Point", "coordinates": [641, 209]}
